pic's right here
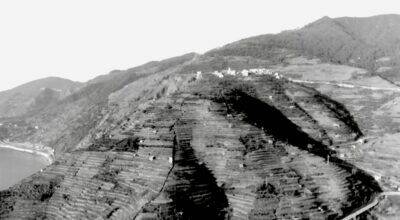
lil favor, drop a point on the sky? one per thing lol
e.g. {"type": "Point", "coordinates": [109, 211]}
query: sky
{"type": "Point", "coordinates": [81, 39]}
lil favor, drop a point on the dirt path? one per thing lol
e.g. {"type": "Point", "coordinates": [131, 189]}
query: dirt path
{"type": "Point", "coordinates": [370, 205]}
{"type": "Point", "coordinates": [345, 85]}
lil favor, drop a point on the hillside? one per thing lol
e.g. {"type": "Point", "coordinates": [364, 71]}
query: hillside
{"type": "Point", "coordinates": [30, 96]}
{"type": "Point", "coordinates": [269, 127]}
{"type": "Point", "coordinates": [205, 151]}
{"type": "Point", "coordinates": [65, 123]}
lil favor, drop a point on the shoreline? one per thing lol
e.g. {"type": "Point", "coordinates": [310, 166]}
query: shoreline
{"type": "Point", "coordinates": [46, 152]}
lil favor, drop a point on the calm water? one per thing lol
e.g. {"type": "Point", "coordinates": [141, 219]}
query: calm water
{"type": "Point", "coordinates": [16, 165]}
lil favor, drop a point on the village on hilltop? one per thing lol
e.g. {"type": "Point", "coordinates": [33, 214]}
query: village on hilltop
{"type": "Point", "coordinates": [244, 73]}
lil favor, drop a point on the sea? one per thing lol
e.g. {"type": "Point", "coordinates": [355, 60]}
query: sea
{"type": "Point", "coordinates": [17, 165]}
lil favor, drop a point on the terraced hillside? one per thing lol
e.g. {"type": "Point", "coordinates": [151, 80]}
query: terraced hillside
{"type": "Point", "coordinates": [238, 147]}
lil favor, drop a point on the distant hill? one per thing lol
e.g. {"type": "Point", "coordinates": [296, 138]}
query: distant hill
{"type": "Point", "coordinates": [35, 95]}
{"type": "Point", "coordinates": [362, 42]}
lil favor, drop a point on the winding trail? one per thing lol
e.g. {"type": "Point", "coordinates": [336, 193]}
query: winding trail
{"type": "Point", "coordinates": [371, 205]}
{"type": "Point", "coordinates": [344, 85]}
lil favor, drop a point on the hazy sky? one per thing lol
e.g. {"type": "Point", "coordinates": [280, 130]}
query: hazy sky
{"type": "Point", "coordinates": [79, 39]}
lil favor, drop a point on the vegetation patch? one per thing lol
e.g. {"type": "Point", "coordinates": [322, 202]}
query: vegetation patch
{"type": "Point", "coordinates": [130, 144]}
{"type": "Point", "coordinates": [108, 175]}
{"type": "Point", "coordinates": [40, 191]}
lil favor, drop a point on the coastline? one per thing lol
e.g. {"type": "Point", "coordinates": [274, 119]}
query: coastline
{"type": "Point", "coordinates": [43, 151]}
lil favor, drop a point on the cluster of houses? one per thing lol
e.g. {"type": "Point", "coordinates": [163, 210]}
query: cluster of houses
{"type": "Point", "coordinates": [244, 73]}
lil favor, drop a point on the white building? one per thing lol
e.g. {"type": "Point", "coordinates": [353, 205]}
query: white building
{"type": "Point", "coordinates": [277, 76]}
{"type": "Point", "coordinates": [230, 72]}
{"type": "Point", "coordinates": [198, 75]}
{"type": "Point", "coordinates": [218, 74]}
{"type": "Point", "coordinates": [378, 177]}
{"type": "Point", "coordinates": [245, 73]}
{"type": "Point", "coordinates": [362, 141]}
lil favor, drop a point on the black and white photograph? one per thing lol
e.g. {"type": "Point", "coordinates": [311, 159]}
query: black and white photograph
{"type": "Point", "coordinates": [199, 110]}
